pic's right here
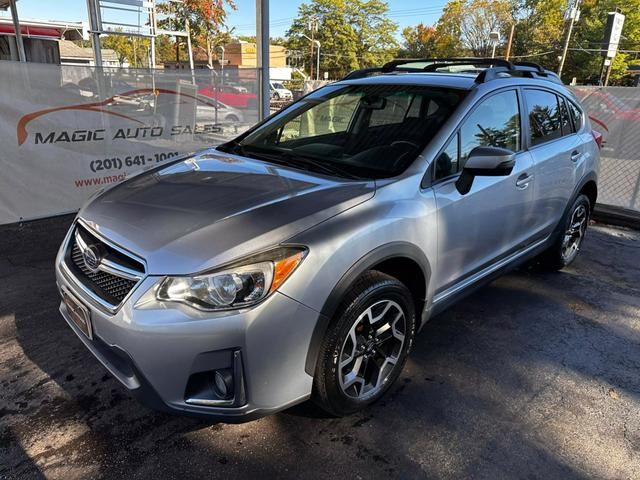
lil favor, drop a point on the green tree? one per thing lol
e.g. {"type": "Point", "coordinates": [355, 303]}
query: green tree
{"type": "Point", "coordinates": [481, 17]}
{"type": "Point", "coordinates": [539, 31]}
{"type": "Point", "coordinates": [132, 50]}
{"type": "Point", "coordinates": [589, 34]}
{"type": "Point", "coordinates": [352, 34]}
{"type": "Point", "coordinates": [374, 32]}
{"type": "Point", "coordinates": [465, 25]}
{"type": "Point", "coordinates": [448, 41]}
{"type": "Point", "coordinates": [540, 28]}
{"type": "Point", "coordinates": [165, 49]}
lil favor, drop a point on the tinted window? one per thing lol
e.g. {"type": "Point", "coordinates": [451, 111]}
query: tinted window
{"type": "Point", "coordinates": [565, 120]}
{"type": "Point", "coordinates": [576, 115]}
{"type": "Point", "coordinates": [394, 109]}
{"type": "Point", "coordinates": [544, 116]}
{"type": "Point", "coordinates": [325, 118]}
{"type": "Point", "coordinates": [369, 131]}
{"type": "Point", "coordinates": [447, 162]}
{"type": "Point", "coordinates": [495, 122]}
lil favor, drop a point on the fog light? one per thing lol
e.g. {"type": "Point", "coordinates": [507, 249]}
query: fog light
{"type": "Point", "coordinates": [223, 380]}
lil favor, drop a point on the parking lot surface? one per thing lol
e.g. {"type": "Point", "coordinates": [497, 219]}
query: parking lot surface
{"type": "Point", "coordinates": [534, 376]}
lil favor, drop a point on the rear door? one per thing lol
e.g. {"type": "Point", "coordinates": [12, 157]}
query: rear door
{"type": "Point", "coordinates": [556, 153]}
{"type": "Point", "coordinates": [491, 221]}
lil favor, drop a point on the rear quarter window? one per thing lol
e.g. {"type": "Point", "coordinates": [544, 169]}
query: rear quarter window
{"type": "Point", "coordinates": [576, 115]}
{"type": "Point", "coordinates": [544, 115]}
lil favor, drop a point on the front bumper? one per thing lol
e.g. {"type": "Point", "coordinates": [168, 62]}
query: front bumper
{"type": "Point", "coordinates": [153, 349]}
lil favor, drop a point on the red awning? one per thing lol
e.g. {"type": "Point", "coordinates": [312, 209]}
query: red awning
{"type": "Point", "coordinates": [28, 31]}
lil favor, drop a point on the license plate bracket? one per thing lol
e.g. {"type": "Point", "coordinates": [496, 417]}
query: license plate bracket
{"type": "Point", "coordinates": [78, 313]}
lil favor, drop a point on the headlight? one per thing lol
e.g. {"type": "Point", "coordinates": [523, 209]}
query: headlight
{"type": "Point", "coordinates": [240, 285]}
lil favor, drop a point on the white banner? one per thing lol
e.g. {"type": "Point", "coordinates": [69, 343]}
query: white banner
{"type": "Point", "coordinates": [67, 132]}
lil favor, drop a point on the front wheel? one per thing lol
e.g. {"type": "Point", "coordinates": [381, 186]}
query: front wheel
{"type": "Point", "coordinates": [565, 249]}
{"type": "Point", "coordinates": [366, 346]}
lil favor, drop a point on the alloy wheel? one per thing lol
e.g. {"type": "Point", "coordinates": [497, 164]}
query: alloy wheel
{"type": "Point", "coordinates": [372, 349]}
{"type": "Point", "coordinates": [574, 234]}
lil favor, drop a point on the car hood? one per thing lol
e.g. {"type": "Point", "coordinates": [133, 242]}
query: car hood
{"type": "Point", "coordinates": [213, 207]}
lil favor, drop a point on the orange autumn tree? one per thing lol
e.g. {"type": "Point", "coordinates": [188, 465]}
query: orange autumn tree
{"type": "Point", "coordinates": [418, 42]}
{"type": "Point", "coordinates": [203, 19]}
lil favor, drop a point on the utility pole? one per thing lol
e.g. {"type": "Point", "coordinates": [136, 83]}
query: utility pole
{"type": "Point", "coordinates": [318, 64]}
{"type": "Point", "coordinates": [573, 13]}
{"type": "Point", "coordinates": [511, 33]}
{"type": "Point", "coordinates": [313, 28]}
{"type": "Point", "coordinates": [317, 44]}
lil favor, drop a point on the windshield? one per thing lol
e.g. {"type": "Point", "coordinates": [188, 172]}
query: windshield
{"type": "Point", "coordinates": [357, 131]}
{"type": "Point", "coordinates": [278, 86]}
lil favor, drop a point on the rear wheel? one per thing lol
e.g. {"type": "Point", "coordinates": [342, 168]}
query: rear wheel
{"type": "Point", "coordinates": [366, 346]}
{"type": "Point", "coordinates": [574, 227]}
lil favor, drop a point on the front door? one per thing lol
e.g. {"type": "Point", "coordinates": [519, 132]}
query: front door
{"type": "Point", "coordinates": [491, 221]}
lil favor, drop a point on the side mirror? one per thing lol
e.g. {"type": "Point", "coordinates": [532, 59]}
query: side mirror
{"type": "Point", "coordinates": [485, 162]}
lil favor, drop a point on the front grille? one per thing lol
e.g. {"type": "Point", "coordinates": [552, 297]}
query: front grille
{"type": "Point", "coordinates": [109, 287]}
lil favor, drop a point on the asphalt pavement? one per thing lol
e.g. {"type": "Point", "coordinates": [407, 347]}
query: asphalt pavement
{"type": "Point", "coordinates": [534, 376]}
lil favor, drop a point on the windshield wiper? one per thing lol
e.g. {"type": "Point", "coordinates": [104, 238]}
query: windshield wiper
{"type": "Point", "coordinates": [330, 168]}
{"type": "Point", "coordinates": [287, 159]}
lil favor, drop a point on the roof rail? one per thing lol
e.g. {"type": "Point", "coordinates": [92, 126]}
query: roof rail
{"type": "Point", "coordinates": [403, 65]}
{"type": "Point", "coordinates": [494, 68]}
{"type": "Point", "coordinates": [446, 61]}
{"type": "Point", "coordinates": [530, 64]}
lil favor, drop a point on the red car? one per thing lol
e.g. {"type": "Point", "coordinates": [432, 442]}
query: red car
{"type": "Point", "coordinates": [230, 95]}
{"type": "Point", "coordinates": [605, 103]}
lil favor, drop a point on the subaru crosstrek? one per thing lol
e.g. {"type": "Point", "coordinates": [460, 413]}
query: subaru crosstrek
{"type": "Point", "coordinates": [300, 260]}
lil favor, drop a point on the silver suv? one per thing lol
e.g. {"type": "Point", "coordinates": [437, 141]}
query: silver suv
{"type": "Point", "coordinates": [300, 260]}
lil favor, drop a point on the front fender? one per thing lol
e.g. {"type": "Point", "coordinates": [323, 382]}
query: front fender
{"type": "Point", "coordinates": [364, 264]}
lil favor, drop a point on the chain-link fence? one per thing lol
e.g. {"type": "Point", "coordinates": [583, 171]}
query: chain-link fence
{"type": "Point", "coordinates": [615, 112]}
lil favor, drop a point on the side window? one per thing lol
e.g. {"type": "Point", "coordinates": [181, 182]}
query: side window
{"type": "Point", "coordinates": [565, 120]}
{"type": "Point", "coordinates": [495, 122]}
{"type": "Point", "coordinates": [544, 116]}
{"type": "Point", "coordinates": [576, 115]}
{"type": "Point", "coordinates": [447, 162]}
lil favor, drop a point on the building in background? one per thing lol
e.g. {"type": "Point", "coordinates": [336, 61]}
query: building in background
{"type": "Point", "coordinates": [40, 38]}
{"type": "Point", "coordinates": [72, 54]}
{"type": "Point", "coordinates": [52, 42]}
{"type": "Point", "coordinates": [238, 55]}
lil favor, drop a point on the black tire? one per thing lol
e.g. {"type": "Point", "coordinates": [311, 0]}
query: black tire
{"type": "Point", "coordinates": [371, 290]}
{"type": "Point", "coordinates": [555, 257]}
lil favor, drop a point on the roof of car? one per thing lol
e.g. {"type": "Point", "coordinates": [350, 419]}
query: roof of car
{"type": "Point", "coordinates": [460, 81]}
{"type": "Point", "coordinates": [455, 72]}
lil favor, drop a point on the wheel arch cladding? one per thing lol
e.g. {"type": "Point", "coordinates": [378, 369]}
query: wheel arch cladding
{"type": "Point", "coordinates": [401, 260]}
{"type": "Point", "coordinates": [590, 189]}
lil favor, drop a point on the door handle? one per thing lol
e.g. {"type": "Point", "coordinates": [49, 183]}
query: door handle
{"type": "Point", "coordinates": [523, 181]}
{"type": "Point", "coordinates": [575, 156]}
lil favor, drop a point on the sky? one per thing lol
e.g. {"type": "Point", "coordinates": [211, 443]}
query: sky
{"type": "Point", "coordinates": [403, 12]}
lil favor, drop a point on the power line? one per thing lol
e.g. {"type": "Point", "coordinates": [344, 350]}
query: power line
{"type": "Point", "coordinates": [409, 12]}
